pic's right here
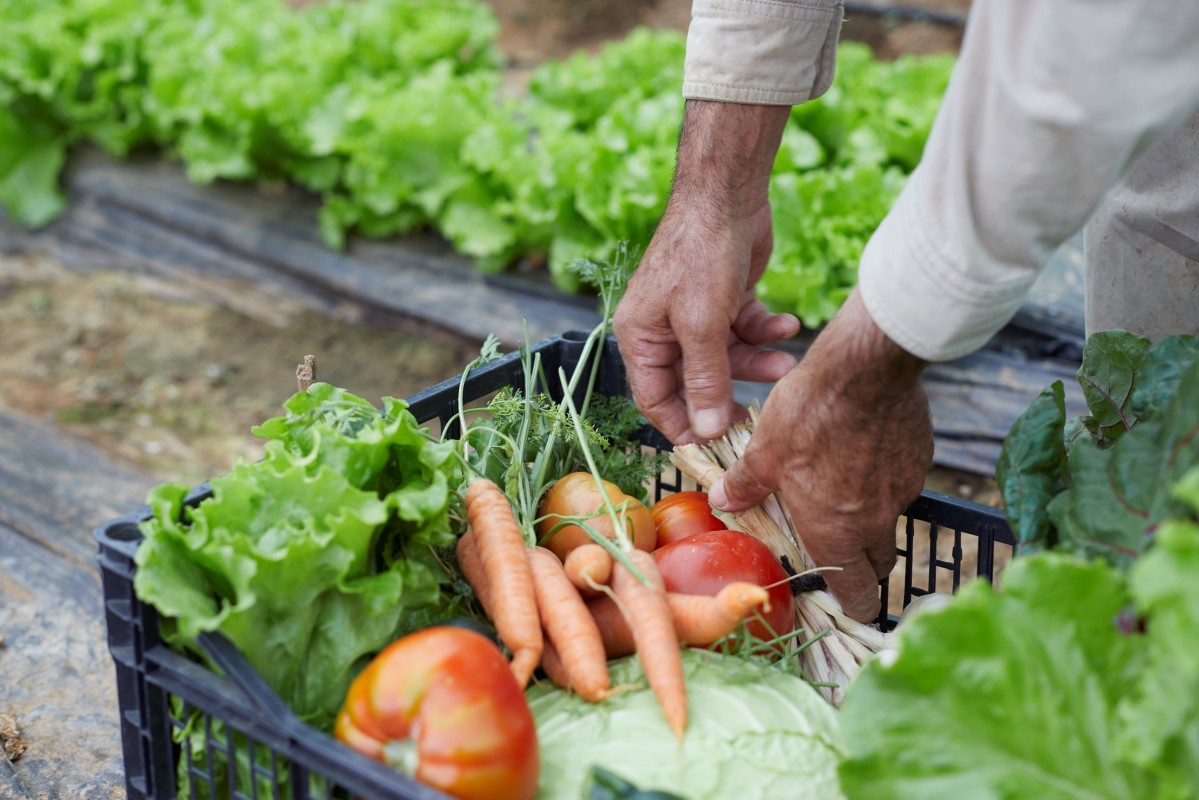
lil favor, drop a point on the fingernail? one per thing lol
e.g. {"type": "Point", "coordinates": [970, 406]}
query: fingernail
{"type": "Point", "coordinates": [716, 495]}
{"type": "Point", "coordinates": [708, 423]}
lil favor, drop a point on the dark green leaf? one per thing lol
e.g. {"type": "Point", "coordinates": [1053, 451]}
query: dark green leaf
{"type": "Point", "coordinates": [1095, 515]}
{"type": "Point", "coordinates": [1161, 372]}
{"type": "Point", "coordinates": [1119, 495]}
{"type": "Point", "coordinates": [1107, 376]}
{"type": "Point", "coordinates": [1166, 451]}
{"type": "Point", "coordinates": [607, 785]}
{"type": "Point", "coordinates": [1031, 468]}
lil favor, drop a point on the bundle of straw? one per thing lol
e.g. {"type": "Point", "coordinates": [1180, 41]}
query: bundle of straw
{"type": "Point", "coordinates": [832, 647]}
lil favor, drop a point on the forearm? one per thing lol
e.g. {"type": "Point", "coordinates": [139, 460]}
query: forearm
{"type": "Point", "coordinates": [726, 154]}
{"type": "Point", "coordinates": [690, 315]}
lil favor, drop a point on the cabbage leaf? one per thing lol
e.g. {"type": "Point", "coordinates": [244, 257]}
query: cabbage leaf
{"type": "Point", "coordinates": [754, 732]}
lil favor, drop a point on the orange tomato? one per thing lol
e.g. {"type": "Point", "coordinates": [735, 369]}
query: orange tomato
{"type": "Point", "coordinates": [578, 495]}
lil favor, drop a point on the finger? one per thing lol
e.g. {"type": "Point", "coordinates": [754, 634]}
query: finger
{"type": "Point", "coordinates": [742, 487]}
{"type": "Point", "coordinates": [651, 371]}
{"type": "Point", "coordinates": [750, 363]}
{"type": "Point", "coordinates": [737, 413]}
{"type": "Point", "coordinates": [757, 325]}
{"type": "Point", "coordinates": [706, 378]}
{"type": "Point", "coordinates": [858, 559]}
{"type": "Point", "coordinates": [665, 409]}
{"type": "Point", "coordinates": [881, 555]}
{"type": "Point", "coordinates": [855, 586]}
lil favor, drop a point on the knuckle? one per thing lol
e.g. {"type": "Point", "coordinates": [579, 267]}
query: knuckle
{"type": "Point", "coordinates": [703, 385]}
{"type": "Point", "coordinates": [698, 324]}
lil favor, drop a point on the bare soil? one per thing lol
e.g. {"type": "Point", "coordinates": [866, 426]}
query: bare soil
{"type": "Point", "coordinates": [532, 30]}
{"type": "Point", "coordinates": [174, 384]}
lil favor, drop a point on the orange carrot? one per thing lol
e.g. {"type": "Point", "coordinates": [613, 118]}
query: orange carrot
{"type": "Point", "coordinates": [699, 620]}
{"type": "Point", "coordinates": [570, 629]}
{"type": "Point", "coordinates": [702, 620]}
{"type": "Point", "coordinates": [551, 662]}
{"type": "Point", "coordinates": [588, 566]}
{"type": "Point", "coordinates": [472, 570]}
{"type": "Point", "coordinates": [653, 631]}
{"type": "Point", "coordinates": [509, 580]}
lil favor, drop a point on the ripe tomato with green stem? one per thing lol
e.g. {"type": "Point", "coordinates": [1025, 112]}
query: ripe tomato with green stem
{"type": "Point", "coordinates": [442, 706]}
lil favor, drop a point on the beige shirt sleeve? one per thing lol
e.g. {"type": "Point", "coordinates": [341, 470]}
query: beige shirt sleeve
{"type": "Point", "coordinates": [1048, 106]}
{"type": "Point", "coordinates": [765, 52]}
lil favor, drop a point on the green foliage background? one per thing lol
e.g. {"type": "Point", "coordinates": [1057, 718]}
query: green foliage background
{"type": "Point", "coordinates": [392, 111]}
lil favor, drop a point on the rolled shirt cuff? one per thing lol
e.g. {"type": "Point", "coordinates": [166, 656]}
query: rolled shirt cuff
{"type": "Point", "coordinates": [765, 52]}
{"type": "Point", "coordinates": [922, 298]}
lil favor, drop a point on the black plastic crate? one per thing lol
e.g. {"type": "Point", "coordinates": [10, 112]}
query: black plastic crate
{"type": "Point", "coordinates": [252, 732]}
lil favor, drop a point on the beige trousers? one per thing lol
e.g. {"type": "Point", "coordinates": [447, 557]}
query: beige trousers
{"type": "Point", "coordinates": [1141, 247]}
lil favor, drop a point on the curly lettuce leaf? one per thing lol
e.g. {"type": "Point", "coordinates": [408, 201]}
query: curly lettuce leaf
{"type": "Point", "coordinates": [1036, 692]}
{"type": "Point", "coordinates": [33, 149]}
{"type": "Point", "coordinates": [877, 113]}
{"type": "Point", "coordinates": [645, 64]}
{"type": "Point", "coordinates": [383, 451]}
{"type": "Point", "coordinates": [314, 558]}
{"type": "Point", "coordinates": [823, 219]}
{"type": "Point", "coordinates": [1161, 717]}
{"type": "Point", "coordinates": [400, 123]}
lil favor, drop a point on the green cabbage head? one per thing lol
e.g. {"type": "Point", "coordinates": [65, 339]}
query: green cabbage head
{"type": "Point", "coordinates": [753, 731]}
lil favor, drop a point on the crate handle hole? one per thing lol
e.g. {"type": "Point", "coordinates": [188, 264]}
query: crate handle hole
{"type": "Point", "coordinates": [124, 532]}
{"type": "Point", "coordinates": [576, 335]}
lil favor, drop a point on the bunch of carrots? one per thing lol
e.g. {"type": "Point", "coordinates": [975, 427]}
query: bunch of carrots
{"type": "Point", "coordinates": [537, 601]}
{"type": "Point", "coordinates": [539, 606]}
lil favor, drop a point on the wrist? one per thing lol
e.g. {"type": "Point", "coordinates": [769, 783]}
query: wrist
{"type": "Point", "coordinates": [855, 354]}
{"type": "Point", "coordinates": [726, 154]}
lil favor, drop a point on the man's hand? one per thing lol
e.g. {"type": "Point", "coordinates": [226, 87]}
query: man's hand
{"type": "Point", "coordinates": [847, 438]}
{"type": "Point", "coordinates": [690, 323]}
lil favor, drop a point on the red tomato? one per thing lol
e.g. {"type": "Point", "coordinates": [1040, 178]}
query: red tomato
{"type": "Point", "coordinates": [578, 495]}
{"type": "Point", "coordinates": [707, 562]}
{"type": "Point", "coordinates": [683, 514]}
{"type": "Point", "coordinates": [443, 706]}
